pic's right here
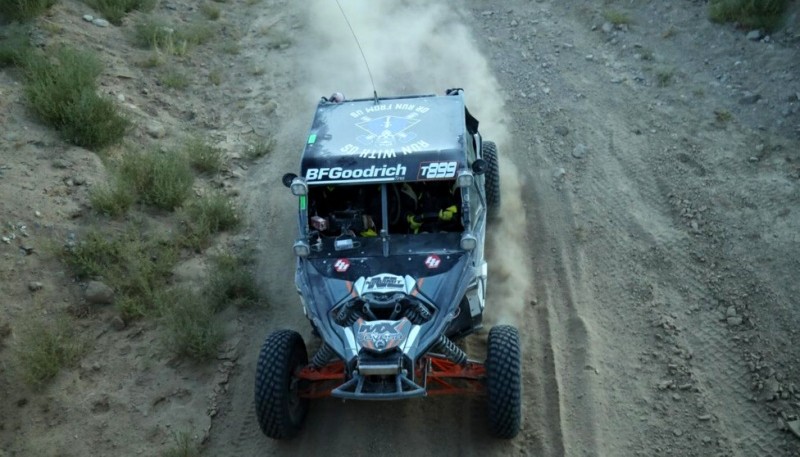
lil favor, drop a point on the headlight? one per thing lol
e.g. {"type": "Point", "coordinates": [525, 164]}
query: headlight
{"type": "Point", "coordinates": [468, 242]}
{"type": "Point", "coordinates": [465, 179]}
{"type": "Point", "coordinates": [299, 187]}
{"type": "Point", "coordinates": [301, 248]}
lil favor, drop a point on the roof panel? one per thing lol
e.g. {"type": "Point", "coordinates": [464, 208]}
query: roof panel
{"type": "Point", "coordinates": [397, 139]}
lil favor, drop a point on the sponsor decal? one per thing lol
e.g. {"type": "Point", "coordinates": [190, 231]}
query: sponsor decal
{"type": "Point", "coordinates": [437, 170]}
{"type": "Point", "coordinates": [374, 172]}
{"type": "Point", "coordinates": [433, 261]}
{"type": "Point", "coordinates": [388, 130]}
{"type": "Point", "coordinates": [384, 283]}
{"type": "Point", "coordinates": [341, 265]}
{"type": "Point", "coordinates": [380, 336]}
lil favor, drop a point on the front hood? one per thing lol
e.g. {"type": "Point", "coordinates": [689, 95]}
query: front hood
{"type": "Point", "coordinates": [435, 276]}
{"type": "Point", "coordinates": [415, 265]}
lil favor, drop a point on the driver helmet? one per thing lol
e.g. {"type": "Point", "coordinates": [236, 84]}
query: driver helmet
{"type": "Point", "coordinates": [336, 97]}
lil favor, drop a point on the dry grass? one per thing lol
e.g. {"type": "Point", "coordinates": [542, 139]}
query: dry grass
{"type": "Point", "coordinates": [43, 348]}
{"type": "Point", "coordinates": [204, 157]}
{"type": "Point", "coordinates": [206, 216]}
{"type": "Point", "coordinates": [14, 44]}
{"type": "Point", "coordinates": [24, 10]}
{"type": "Point", "coordinates": [191, 326]}
{"type": "Point", "coordinates": [211, 11]}
{"type": "Point", "coordinates": [232, 282]}
{"type": "Point", "coordinates": [617, 17]}
{"type": "Point", "coordinates": [160, 179]}
{"type": "Point", "coordinates": [155, 33]}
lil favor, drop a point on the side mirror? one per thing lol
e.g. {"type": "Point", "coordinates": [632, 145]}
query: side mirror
{"type": "Point", "coordinates": [480, 167]}
{"type": "Point", "coordinates": [288, 178]}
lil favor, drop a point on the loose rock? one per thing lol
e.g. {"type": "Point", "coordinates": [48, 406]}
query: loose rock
{"type": "Point", "coordinates": [754, 35]}
{"type": "Point", "coordinates": [100, 22]}
{"type": "Point", "coordinates": [117, 323]}
{"type": "Point", "coordinates": [749, 99]}
{"type": "Point", "coordinates": [607, 27]}
{"type": "Point", "coordinates": [270, 107]}
{"type": "Point", "coordinates": [794, 427]}
{"type": "Point", "coordinates": [579, 151]}
{"type": "Point", "coordinates": [98, 293]}
{"type": "Point", "coordinates": [561, 130]}
{"type": "Point", "coordinates": [156, 130]}
{"type": "Point", "coordinates": [734, 321]}
{"type": "Point", "coordinates": [33, 286]}
{"type": "Point", "coordinates": [88, 17]}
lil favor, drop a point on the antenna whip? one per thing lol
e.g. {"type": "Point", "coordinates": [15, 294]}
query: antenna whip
{"type": "Point", "coordinates": [374, 91]}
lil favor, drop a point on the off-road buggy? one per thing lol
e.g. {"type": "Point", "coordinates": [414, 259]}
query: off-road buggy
{"type": "Point", "coordinates": [394, 197]}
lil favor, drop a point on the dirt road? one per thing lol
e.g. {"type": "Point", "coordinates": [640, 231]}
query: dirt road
{"type": "Point", "coordinates": [647, 246]}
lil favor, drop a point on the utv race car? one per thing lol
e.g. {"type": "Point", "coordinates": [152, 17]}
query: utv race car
{"type": "Point", "coordinates": [394, 197]}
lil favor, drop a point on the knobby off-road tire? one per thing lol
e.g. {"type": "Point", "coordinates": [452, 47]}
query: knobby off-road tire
{"type": "Point", "coordinates": [503, 381]}
{"type": "Point", "coordinates": [492, 178]}
{"type": "Point", "coordinates": [281, 412]}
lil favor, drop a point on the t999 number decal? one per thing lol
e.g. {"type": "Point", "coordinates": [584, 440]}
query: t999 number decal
{"type": "Point", "coordinates": [437, 170]}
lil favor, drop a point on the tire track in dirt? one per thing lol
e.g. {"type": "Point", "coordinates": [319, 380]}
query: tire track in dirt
{"type": "Point", "coordinates": [557, 288]}
{"type": "Point", "coordinates": [721, 371]}
{"type": "Point", "coordinates": [717, 364]}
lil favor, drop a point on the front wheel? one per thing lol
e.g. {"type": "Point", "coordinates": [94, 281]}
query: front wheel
{"type": "Point", "coordinates": [503, 381]}
{"type": "Point", "coordinates": [279, 408]}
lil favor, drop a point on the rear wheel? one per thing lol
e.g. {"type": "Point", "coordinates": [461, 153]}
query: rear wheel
{"type": "Point", "coordinates": [279, 408]}
{"type": "Point", "coordinates": [503, 381]}
{"type": "Point", "coordinates": [492, 177]}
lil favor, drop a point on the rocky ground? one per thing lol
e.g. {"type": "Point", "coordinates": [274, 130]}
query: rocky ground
{"type": "Point", "coordinates": [648, 249]}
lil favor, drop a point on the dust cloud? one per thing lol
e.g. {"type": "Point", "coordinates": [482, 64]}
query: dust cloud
{"type": "Point", "coordinates": [421, 47]}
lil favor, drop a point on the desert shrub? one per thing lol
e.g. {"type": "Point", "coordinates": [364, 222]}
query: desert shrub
{"type": "Point", "coordinates": [215, 76]}
{"type": "Point", "coordinates": [14, 44]}
{"type": "Point", "coordinates": [160, 179]}
{"type": "Point", "coordinates": [24, 10]}
{"type": "Point", "coordinates": [44, 348]}
{"type": "Point", "coordinates": [115, 10]}
{"type": "Point", "coordinates": [211, 11]}
{"type": "Point", "coordinates": [174, 79]}
{"type": "Point", "coordinates": [137, 266]}
{"type": "Point", "coordinates": [154, 33]}
{"type": "Point", "coordinates": [260, 148]}
{"type": "Point", "coordinates": [184, 447]}
{"type": "Point", "coordinates": [204, 157]}
{"type": "Point", "coordinates": [191, 326]}
{"type": "Point", "coordinates": [754, 14]}
{"type": "Point", "coordinates": [94, 255]}
{"type": "Point", "coordinates": [61, 89]}
{"type": "Point", "coordinates": [616, 17]}
{"type": "Point", "coordinates": [155, 59]}
{"type": "Point", "coordinates": [207, 215]}
{"type": "Point", "coordinates": [665, 76]}
{"type": "Point", "coordinates": [197, 34]}
{"type": "Point", "coordinates": [112, 199]}
{"type": "Point", "coordinates": [723, 116]}
{"type": "Point", "coordinates": [231, 282]}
